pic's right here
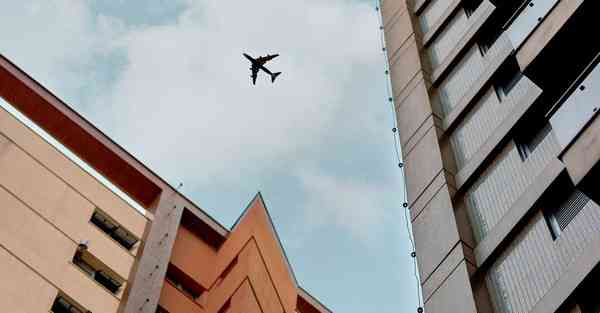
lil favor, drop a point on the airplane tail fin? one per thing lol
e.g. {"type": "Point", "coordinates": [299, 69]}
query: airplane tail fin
{"type": "Point", "coordinates": [274, 76]}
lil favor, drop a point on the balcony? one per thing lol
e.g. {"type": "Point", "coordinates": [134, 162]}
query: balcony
{"type": "Point", "coordinates": [533, 263]}
{"type": "Point", "coordinates": [468, 77]}
{"type": "Point", "coordinates": [526, 19]}
{"type": "Point", "coordinates": [452, 40]}
{"type": "Point", "coordinates": [432, 13]}
{"type": "Point", "coordinates": [485, 116]}
{"type": "Point", "coordinates": [505, 180]}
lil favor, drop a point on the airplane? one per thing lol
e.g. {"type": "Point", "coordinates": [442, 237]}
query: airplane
{"type": "Point", "coordinates": [258, 64]}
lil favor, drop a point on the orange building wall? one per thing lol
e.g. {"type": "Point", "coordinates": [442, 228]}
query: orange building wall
{"type": "Point", "coordinates": [260, 282]}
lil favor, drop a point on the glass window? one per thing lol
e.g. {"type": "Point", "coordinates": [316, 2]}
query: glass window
{"type": "Point", "coordinates": [61, 305]}
{"type": "Point", "coordinates": [529, 139]}
{"type": "Point", "coordinates": [84, 261]}
{"type": "Point", "coordinates": [115, 231]}
{"type": "Point", "coordinates": [184, 283]}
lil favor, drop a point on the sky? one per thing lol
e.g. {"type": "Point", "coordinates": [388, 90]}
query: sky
{"type": "Point", "coordinates": [167, 81]}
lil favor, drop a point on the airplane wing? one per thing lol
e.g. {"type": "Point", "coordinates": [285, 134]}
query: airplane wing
{"type": "Point", "coordinates": [265, 59]}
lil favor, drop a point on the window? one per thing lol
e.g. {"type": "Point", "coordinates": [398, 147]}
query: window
{"type": "Point", "coordinates": [115, 231]}
{"type": "Point", "coordinates": [62, 305]}
{"type": "Point", "coordinates": [183, 282]}
{"type": "Point", "coordinates": [529, 138]}
{"type": "Point", "coordinates": [561, 214]}
{"type": "Point", "coordinates": [89, 265]}
{"type": "Point", "coordinates": [470, 6]}
{"type": "Point", "coordinates": [506, 78]}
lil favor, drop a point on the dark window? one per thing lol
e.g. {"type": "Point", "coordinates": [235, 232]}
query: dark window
{"type": "Point", "coordinates": [83, 260]}
{"type": "Point", "coordinates": [471, 6]}
{"type": "Point", "coordinates": [115, 231]}
{"type": "Point", "coordinates": [62, 305]}
{"type": "Point", "coordinates": [562, 213]}
{"type": "Point", "coordinates": [184, 283]}
{"type": "Point", "coordinates": [486, 40]}
{"type": "Point", "coordinates": [529, 138]}
{"type": "Point", "coordinates": [506, 78]}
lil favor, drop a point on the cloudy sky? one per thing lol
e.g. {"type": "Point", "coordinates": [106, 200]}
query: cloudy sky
{"type": "Point", "coordinates": [167, 80]}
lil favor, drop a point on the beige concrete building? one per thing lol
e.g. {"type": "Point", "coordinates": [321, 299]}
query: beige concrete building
{"type": "Point", "coordinates": [496, 103]}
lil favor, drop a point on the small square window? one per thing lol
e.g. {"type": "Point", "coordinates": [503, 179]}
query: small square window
{"type": "Point", "coordinates": [114, 230]}
{"type": "Point", "coordinates": [94, 269]}
{"type": "Point", "coordinates": [530, 138]}
{"type": "Point", "coordinates": [62, 305]}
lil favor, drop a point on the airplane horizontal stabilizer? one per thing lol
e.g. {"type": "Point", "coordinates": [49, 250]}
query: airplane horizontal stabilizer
{"type": "Point", "coordinates": [274, 76]}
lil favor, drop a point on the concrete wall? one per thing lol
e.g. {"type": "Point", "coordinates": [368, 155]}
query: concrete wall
{"type": "Point", "coordinates": [455, 134]}
{"type": "Point", "coordinates": [444, 258]}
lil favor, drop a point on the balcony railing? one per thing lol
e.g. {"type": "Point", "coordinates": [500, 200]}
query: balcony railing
{"type": "Point", "coordinates": [578, 106]}
{"type": "Point", "coordinates": [527, 19]}
{"type": "Point", "coordinates": [482, 120]}
{"type": "Point", "coordinates": [473, 65]}
{"type": "Point", "coordinates": [495, 191]}
{"type": "Point", "coordinates": [533, 262]}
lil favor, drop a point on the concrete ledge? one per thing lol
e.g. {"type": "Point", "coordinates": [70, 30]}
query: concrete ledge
{"type": "Point", "coordinates": [443, 271]}
{"type": "Point", "coordinates": [494, 63]}
{"type": "Point", "coordinates": [570, 279]}
{"type": "Point", "coordinates": [437, 26]}
{"type": "Point", "coordinates": [546, 31]}
{"type": "Point", "coordinates": [489, 245]}
{"type": "Point", "coordinates": [454, 295]}
{"type": "Point", "coordinates": [435, 233]}
{"type": "Point", "coordinates": [390, 9]}
{"type": "Point", "coordinates": [483, 12]}
{"type": "Point", "coordinates": [417, 205]}
{"type": "Point", "coordinates": [497, 136]}
{"type": "Point", "coordinates": [417, 136]}
{"type": "Point", "coordinates": [584, 153]}
{"type": "Point", "coordinates": [419, 5]}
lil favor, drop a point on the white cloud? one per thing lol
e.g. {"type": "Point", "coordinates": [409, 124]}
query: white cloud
{"type": "Point", "coordinates": [183, 103]}
{"type": "Point", "coordinates": [356, 206]}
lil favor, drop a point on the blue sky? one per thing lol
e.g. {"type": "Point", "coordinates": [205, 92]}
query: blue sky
{"type": "Point", "coordinates": [166, 80]}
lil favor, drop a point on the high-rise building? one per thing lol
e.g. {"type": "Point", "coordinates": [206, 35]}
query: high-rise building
{"type": "Point", "coordinates": [496, 104]}
{"type": "Point", "coordinates": [72, 243]}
